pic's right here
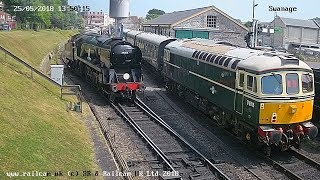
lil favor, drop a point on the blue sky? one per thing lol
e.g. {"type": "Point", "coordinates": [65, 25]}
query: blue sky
{"type": "Point", "coordinates": [239, 9]}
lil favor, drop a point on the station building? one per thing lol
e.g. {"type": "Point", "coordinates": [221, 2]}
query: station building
{"type": "Point", "coordinates": [290, 32]}
{"type": "Point", "coordinates": [206, 22]}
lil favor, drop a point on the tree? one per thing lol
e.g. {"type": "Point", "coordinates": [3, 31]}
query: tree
{"type": "Point", "coordinates": [42, 19]}
{"type": "Point", "coordinates": [248, 24]}
{"type": "Point", "coordinates": [154, 13]}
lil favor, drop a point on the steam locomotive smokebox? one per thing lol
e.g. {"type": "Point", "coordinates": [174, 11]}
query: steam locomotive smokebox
{"type": "Point", "coordinates": [119, 8]}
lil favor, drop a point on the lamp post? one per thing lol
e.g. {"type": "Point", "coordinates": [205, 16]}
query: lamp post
{"type": "Point", "coordinates": [253, 6]}
{"type": "Point", "coordinates": [254, 26]}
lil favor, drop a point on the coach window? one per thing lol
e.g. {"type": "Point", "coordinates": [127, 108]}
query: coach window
{"type": "Point", "coordinates": [155, 51]}
{"type": "Point", "coordinates": [166, 55]}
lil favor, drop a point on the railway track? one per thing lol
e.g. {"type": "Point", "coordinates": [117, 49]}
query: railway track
{"type": "Point", "coordinates": [176, 156]}
{"type": "Point", "coordinates": [295, 165]}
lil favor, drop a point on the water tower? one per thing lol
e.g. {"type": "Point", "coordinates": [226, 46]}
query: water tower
{"type": "Point", "coordinates": [119, 9]}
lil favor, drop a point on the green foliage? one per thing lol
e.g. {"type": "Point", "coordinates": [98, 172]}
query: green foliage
{"type": "Point", "coordinates": [42, 19]}
{"type": "Point", "coordinates": [248, 24]}
{"type": "Point", "coordinates": [154, 13]}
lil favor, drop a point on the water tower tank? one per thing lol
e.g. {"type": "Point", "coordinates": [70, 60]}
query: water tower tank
{"type": "Point", "coordinates": [119, 8]}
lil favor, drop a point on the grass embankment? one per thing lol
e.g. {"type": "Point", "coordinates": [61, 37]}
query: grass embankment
{"type": "Point", "coordinates": [32, 46]}
{"type": "Point", "coordinates": [37, 134]}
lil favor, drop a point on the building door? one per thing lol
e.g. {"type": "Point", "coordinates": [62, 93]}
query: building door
{"type": "Point", "coordinates": [200, 34]}
{"type": "Point", "coordinates": [183, 34]}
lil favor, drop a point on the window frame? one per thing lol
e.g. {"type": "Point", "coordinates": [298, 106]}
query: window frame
{"type": "Point", "coordinates": [312, 82]}
{"type": "Point", "coordinates": [297, 83]}
{"type": "Point", "coordinates": [212, 21]}
{"type": "Point", "coordinates": [274, 94]}
{"type": "Point", "coordinates": [241, 80]}
{"type": "Point", "coordinates": [254, 85]}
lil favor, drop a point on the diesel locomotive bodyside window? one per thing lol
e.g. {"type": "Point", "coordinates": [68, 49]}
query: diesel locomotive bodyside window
{"type": "Point", "coordinates": [250, 83]}
{"type": "Point", "coordinates": [254, 84]}
{"type": "Point", "coordinates": [292, 82]}
{"type": "Point", "coordinates": [307, 83]}
{"type": "Point", "coordinates": [241, 80]}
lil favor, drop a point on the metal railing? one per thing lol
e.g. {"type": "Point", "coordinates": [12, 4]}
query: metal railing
{"type": "Point", "coordinates": [78, 93]}
{"type": "Point", "coordinates": [28, 66]}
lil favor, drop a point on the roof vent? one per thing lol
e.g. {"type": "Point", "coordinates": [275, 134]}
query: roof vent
{"type": "Point", "coordinates": [276, 53]}
{"type": "Point", "coordinates": [289, 60]}
{"type": "Point", "coordinates": [285, 57]}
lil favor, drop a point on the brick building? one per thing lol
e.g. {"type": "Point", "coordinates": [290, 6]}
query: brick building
{"type": "Point", "coordinates": [94, 19]}
{"type": "Point", "coordinates": [207, 22]}
{"type": "Point", "coordinates": [6, 18]}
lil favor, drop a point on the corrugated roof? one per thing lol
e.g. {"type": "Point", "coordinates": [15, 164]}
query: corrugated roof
{"type": "Point", "coordinates": [299, 22]}
{"type": "Point", "coordinates": [171, 18]}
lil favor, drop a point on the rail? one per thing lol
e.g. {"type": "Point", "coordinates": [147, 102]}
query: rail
{"type": "Point", "coordinates": [213, 168]}
{"type": "Point", "coordinates": [123, 166]}
{"type": "Point", "coordinates": [305, 158]}
{"type": "Point", "coordinates": [123, 113]}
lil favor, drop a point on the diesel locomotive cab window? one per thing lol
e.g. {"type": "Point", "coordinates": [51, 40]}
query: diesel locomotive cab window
{"type": "Point", "coordinates": [307, 83]}
{"type": "Point", "coordinates": [292, 83]}
{"type": "Point", "coordinates": [272, 84]}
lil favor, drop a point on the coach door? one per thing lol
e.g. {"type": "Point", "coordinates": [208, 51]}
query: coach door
{"type": "Point", "coordinates": [238, 97]}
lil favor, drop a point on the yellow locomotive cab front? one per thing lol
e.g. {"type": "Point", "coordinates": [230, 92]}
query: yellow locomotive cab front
{"type": "Point", "coordinates": [285, 112]}
{"type": "Point", "coordinates": [284, 118]}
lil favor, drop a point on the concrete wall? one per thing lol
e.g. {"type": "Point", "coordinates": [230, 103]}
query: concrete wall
{"type": "Point", "coordinates": [309, 35]}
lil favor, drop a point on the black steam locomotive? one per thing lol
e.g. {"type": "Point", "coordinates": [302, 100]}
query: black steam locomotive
{"type": "Point", "coordinates": [112, 64]}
